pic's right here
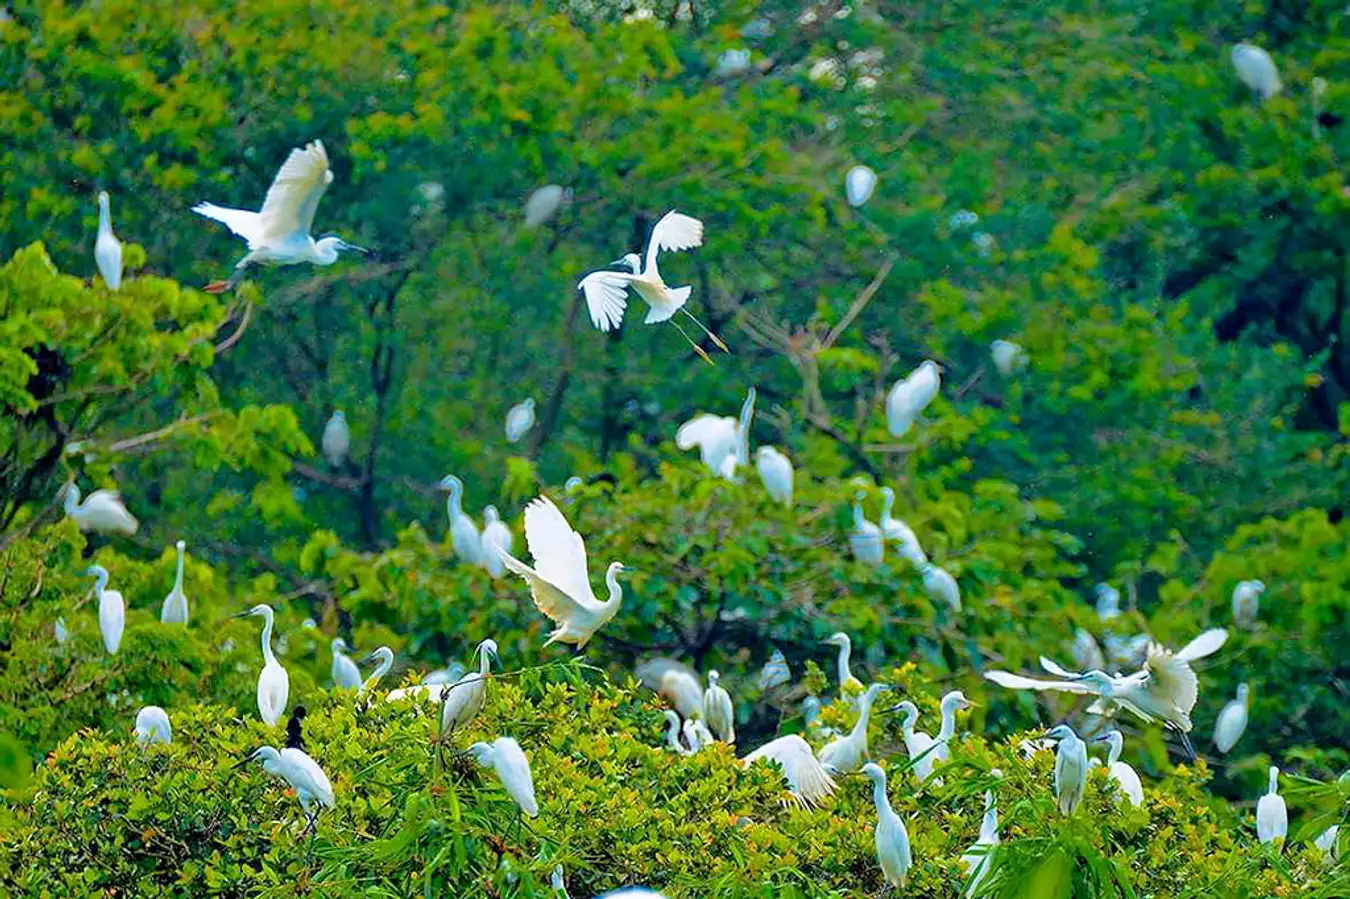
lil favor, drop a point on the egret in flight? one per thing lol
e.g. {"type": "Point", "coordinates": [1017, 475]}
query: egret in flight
{"type": "Point", "coordinates": [112, 611]}
{"type": "Point", "coordinates": [1247, 603]}
{"type": "Point", "coordinates": [718, 709]}
{"type": "Point", "coordinates": [345, 673]}
{"type": "Point", "coordinates": [302, 773]}
{"type": "Point", "coordinates": [560, 581]}
{"type": "Point", "coordinates": [175, 607]}
{"type": "Point", "coordinates": [848, 684]}
{"type": "Point", "coordinates": [464, 535]}
{"type": "Point", "coordinates": [519, 420]}
{"type": "Point", "coordinates": [895, 530]}
{"type": "Point", "coordinates": [102, 513]}
{"type": "Point", "coordinates": [809, 782]}
{"type": "Point", "coordinates": [279, 233]}
{"type": "Point", "coordinates": [911, 395]}
{"type": "Point", "coordinates": [865, 540]}
{"type": "Point", "coordinates": [1071, 767]}
{"type": "Point", "coordinates": [1121, 772]}
{"type": "Point", "coordinates": [107, 248]}
{"type": "Point", "coordinates": [337, 440]}
{"type": "Point", "coordinates": [1256, 69]}
{"type": "Point", "coordinates": [845, 754]}
{"type": "Point", "coordinates": [892, 839]}
{"type": "Point", "coordinates": [495, 541]}
{"type": "Point", "coordinates": [1272, 817]}
{"type": "Point", "coordinates": [723, 442]}
{"type": "Point", "coordinates": [274, 685]}
{"type": "Point", "coordinates": [152, 726]}
{"type": "Point", "coordinates": [775, 471]}
{"type": "Point", "coordinates": [607, 292]}
{"type": "Point", "coordinates": [1232, 721]}
{"type": "Point", "coordinates": [505, 756]}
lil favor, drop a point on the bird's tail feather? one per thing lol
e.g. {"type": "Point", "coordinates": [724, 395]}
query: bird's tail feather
{"type": "Point", "coordinates": [679, 296]}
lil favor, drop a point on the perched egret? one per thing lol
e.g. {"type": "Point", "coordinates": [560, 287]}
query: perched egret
{"type": "Point", "coordinates": [107, 248]}
{"type": "Point", "coordinates": [718, 710]}
{"type": "Point", "coordinates": [895, 530]}
{"type": "Point", "coordinates": [732, 63]}
{"type": "Point", "coordinates": [1121, 772]}
{"type": "Point", "coordinates": [1008, 357]}
{"type": "Point", "coordinates": [274, 685]}
{"type": "Point", "coordinates": [917, 743]}
{"type": "Point", "coordinates": [295, 731]}
{"type": "Point", "coordinates": [891, 837]}
{"type": "Point", "coordinates": [775, 470]}
{"type": "Point", "coordinates": [865, 539]}
{"type": "Point", "coordinates": [941, 586]}
{"type": "Point", "coordinates": [607, 292]}
{"type": "Point", "coordinates": [1108, 601]}
{"type": "Point", "coordinates": [723, 442]}
{"type": "Point", "coordinates": [463, 532]}
{"type": "Point", "coordinates": [152, 726]}
{"type": "Point", "coordinates": [543, 204]}
{"type": "Point", "coordinates": [775, 672]}
{"type": "Point", "coordinates": [808, 780]}
{"type": "Point", "coordinates": [102, 512]}
{"type": "Point", "coordinates": [175, 607]}
{"type": "Point", "coordinates": [1256, 69]}
{"type": "Point", "coordinates": [385, 658]}
{"type": "Point", "coordinates": [62, 635]}
{"type": "Point", "coordinates": [495, 541]}
{"type": "Point", "coordinates": [519, 420]}
{"type": "Point", "coordinates": [696, 733]}
{"type": "Point", "coordinates": [1247, 603]}
{"type": "Point", "coordinates": [505, 756]}
{"type": "Point", "coordinates": [673, 733]}
{"type": "Point", "coordinates": [1232, 721]}
{"type": "Point", "coordinates": [463, 699]}
{"type": "Point", "coordinates": [845, 754]}
{"type": "Point", "coordinates": [979, 858]}
{"type": "Point", "coordinates": [675, 682]}
{"type": "Point", "coordinates": [1326, 841]}
{"type": "Point", "coordinates": [950, 705]}
{"type": "Point", "coordinates": [910, 396]}
{"type": "Point", "coordinates": [1071, 768]}
{"type": "Point", "coordinates": [1272, 817]}
{"type": "Point", "coordinates": [279, 233]}
{"type": "Point", "coordinates": [859, 183]}
{"type": "Point", "coordinates": [112, 611]}
{"type": "Point", "coordinates": [337, 440]}
{"type": "Point", "coordinates": [811, 710]}
{"type": "Point", "coordinates": [345, 673]}
{"type": "Point", "coordinates": [303, 775]}
{"type": "Point", "coordinates": [560, 582]}
{"type": "Point", "coordinates": [848, 684]}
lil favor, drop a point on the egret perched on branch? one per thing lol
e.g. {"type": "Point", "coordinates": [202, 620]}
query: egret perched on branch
{"type": "Point", "coordinates": [1108, 601]}
{"type": "Point", "coordinates": [723, 442]}
{"type": "Point", "coordinates": [560, 582]}
{"type": "Point", "coordinates": [463, 532]}
{"type": "Point", "coordinates": [808, 780]}
{"type": "Point", "coordinates": [1008, 357]}
{"type": "Point", "coordinates": [1247, 603]}
{"type": "Point", "coordinates": [910, 396]}
{"type": "Point", "coordinates": [345, 673]}
{"type": "Point", "coordinates": [337, 440]}
{"type": "Point", "coordinates": [673, 733]}
{"type": "Point", "coordinates": [102, 512]}
{"type": "Point", "coordinates": [544, 203]}
{"type": "Point", "coordinates": [1256, 69]}
{"type": "Point", "coordinates": [893, 529]}
{"type": "Point", "coordinates": [519, 420]}
{"type": "Point", "coordinates": [775, 470]}
{"type": "Point", "coordinates": [463, 699]}
{"type": "Point", "coordinates": [941, 586]}
{"type": "Point", "coordinates": [1071, 767]}
{"type": "Point", "coordinates": [951, 703]}
{"type": "Point", "coordinates": [891, 837]}
{"type": "Point", "coordinates": [279, 233]}
{"type": "Point", "coordinates": [718, 709]}
{"type": "Point", "coordinates": [848, 684]}
{"type": "Point", "coordinates": [1326, 841]}
{"type": "Point", "coordinates": [696, 733]}
{"type": "Point", "coordinates": [175, 607]}
{"type": "Point", "coordinates": [152, 726]}
{"type": "Point", "coordinates": [495, 541]}
{"type": "Point", "coordinates": [1232, 721]}
{"type": "Point", "coordinates": [62, 635]}
{"type": "Point", "coordinates": [917, 743]}
{"type": "Point", "coordinates": [979, 858]}
{"type": "Point", "coordinates": [274, 685]}
{"type": "Point", "coordinates": [303, 775]}
{"type": "Point", "coordinates": [865, 539]}
{"type": "Point", "coordinates": [859, 184]}
{"type": "Point", "coordinates": [845, 754]}
{"type": "Point", "coordinates": [505, 756]}
{"type": "Point", "coordinates": [112, 611]}
{"type": "Point", "coordinates": [107, 248]}
{"type": "Point", "coordinates": [607, 292]}
{"type": "Point", "coordinates": [385, 657]}
{"type": "Point", "coordinates": [1121, 772]}
{"type": "Point", "coordinates": [675, 682]}
{"type": "Point", "coordinates": [1272, 817]}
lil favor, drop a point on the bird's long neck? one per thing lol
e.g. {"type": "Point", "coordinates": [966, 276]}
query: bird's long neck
{"type": "Point", "coordinates": [864, 714]}
{"type": "Point", "coordinates": [452, 504]}
{"type": "Point", "coordinates": [948, 723]}
{"type": "Point", "coordinates": [484, 664]}
{"type": "Point", "coordinates": [104, 216]}
{"type": "Point", "coordinates": [101, 583]}
{"type": "Point", "coordinates": [858, 520]}
{"type": "Point", "coordinates": [178, 578]}
{"type": "Point", "coordinates": [907, 726]}
{"type": "Point", "coordinates": [1113, 753]}
{"type": "Point", "coordinates": [883, 802]}
{"type": "Point", "coordinates": [72, 499]}
{"type": "Point", "coordinates": [845, 650]}
{"type": "Point", "coordinates": [615, 591]}
{"type": "Point", "coordinates": [386, 662]}
{"type": "Point", "coordinates": [989, 826]}
{"type": "Point", "coordinates": [887, 502]}
{"type": "Point", "coordinates": [1274, 781]}
{"type": "Point", "coordinates": [673, 732]}
{"type": "Point", "coordinates": [268, 657]}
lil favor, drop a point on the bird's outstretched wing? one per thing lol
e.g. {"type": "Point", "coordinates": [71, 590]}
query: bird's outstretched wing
{"type": "Point", "coordinates": [1018, 682]}
{"type": "Point", "coordinates": [295, 192]}
{"type": "Point", "coordinates": [1171, 677]}
{"type": "Point", "coordinates": [606, 297]}
{"type": "Point", "coordinates": [806, 776]}
{"type": "Point", "coordinates": [1054, 668]}
{"type": "Point", "coordinates": [676, 231]}
{"type": "Point", "coordinates": [1204, 645]}
{"type": "Point", "coordinates": [550, 600]}
{"type": "Point", "coordinates": [247, 225]}
{"type": "Point", "coordinates": [559, 552]}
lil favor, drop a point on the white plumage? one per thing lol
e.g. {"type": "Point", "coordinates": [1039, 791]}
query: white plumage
{"type": "Point", "coordinates": [504, 756]}
{"type": "Point", "coordinates": [543, 204]}
{"type": "Point", "coordinates": [893, 530]}
{"type": "Point", "coordinates": [673, 733]}
{"type": "Point", "coordinates": [1256, 69]}
{"type": "Point", "coordinates": [103, 512]}
{"type": "Point", "coordinates": [464, 537]}
{"type": "Point", "coordinates": [808, 781]}
{"type": "Point", "coordinates": [865, 540]}
{"type": "Point", "coordinates": [337, 440]}
{"type": "Point", "coordinates": [1108, 601]}
{"type": "Point", "coordinates": [859, 183]}
{"type": "Point", "coordinates": [941, 586]}
{"type": "Point", "coordinates": [1232, 721]}
{"type": "Point", "coordinates": [1247, 603]}
{"type": "Point", "coordinates": [848, 684]}
{"type": "Point", "coordinates": [1008, 357]}
{"type": "Point", "coordinates": [152, 726]}
{"type": "Point", "coordinates": [775, 471]}
{"type": "Point", "coordinates": [495, 541]}
{"type": "Point", "coordinates": [892, 840]}
{"type": "Point", "coordinates": [918, 744]}
{"type": "Point", "coordinates": [1071, 767]}
{"type": "Point", "coordinates": [1272, 817]}
{"type": "Point", "coordinates": [910, 396]}
{"type": "Point", "coordinates": [1121, 772]}
{"type": "Point", "coordinates": [723, 442]}
{"type": "Point", "coordinates": [345, 673]}
{"type": "Point", "coordinates": [107, 248]}
{"type": "Point", "coordinates": [175, 607]}
{"type": "Point", "coordinates": [463, 699]}
{"type": "Point", "coordinates": [675, 682]}
{"type": "Point", "coordinates": [718, 710]}
{"type": "Point", "coordinates": [846, 754]}
{"type": "Point", "coordinates": [519, 420]}
{"type": "Point", "coordinates": [274, 684]}
{"type": "Point", "coordinates": [112, 611]}
{"type": "Point", "coordinates": [951, 703]}
{"type": "Point", "coordinates": [384, 657]}
{"type": "Point", "coordinates": [979, 858]}
{"type": "Point", "coordinates": [302, 773]}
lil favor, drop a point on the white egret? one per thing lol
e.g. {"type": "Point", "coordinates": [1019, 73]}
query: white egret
{"type": "Point", "coordinates": [1121, 772]}
{"type": "Point", "coordinates": [845, 754]}
{"type": "Point", "coordinates": [107, 248]}
{"type": "Point", "coordinates": [892, 839]}
{"type": "Point", "coordinates": [775, 471]}
{"type": "Point", "coordinates": [718, 710]}
{"type": "Point", "coordinates": [1247, 603]}
{"type": "Point", "coordinates": [775, 672]}
{"type": "Point", "coordinates": [102, 513]}
{"type": "Point", "coordinates": [1008, 357]}
{"type": "Point", "coordinates": [279, 233]}
{"type": "Point", "coordinates": [675, 682]}
{"type": "Point", "coordinates": [152, 726]}
{"type": "Point", "coordinates": [979, 858]}
{"type": "Point", "coordinates": [519, 420]}
{"type": "Point", "coordinates": [543, 204]}
{"type": "Point", "coordinates": [385, 658]}
{"type": "Point", "coordinates": [696, 733]}
{"type": "Point", "coordinates": [951, 703]}
{"type": "Point", "coordinates": [808, 780]}
{"type": "Point", "coordinates": [1256, 69]}
{"type": "Point", "coordinates": [848, 684]}
{"type": "Point", "coordinates": [859, 183]}
{"type": "Point", "coordinates": [895, 530]}
{"type": "Point", "coordinates": [62, 635]}
{"type": "Point", "coordinates": [495, 541]}
{"type": "Point", "coordinates": [463, 699]}
{"type": "Point", "coordinates": [505, 756]}
{"type": "Point", "coordinates": [811, 711]}
{"type": "Point", "coordinates": [464, 536]}
{"type": "Point", "coordinates": [732, 63]}
{"type": "Point", "coordinates": [560, 582]}
{"type": "Point", "coordinates": [723, 442]}
{"type": "Point", "coordinates": [917, 743]}
{"type": "Point", "coordinates": [1071, 768]}
{"type": "Point", "coordinates": [112, 611]}
{"type": "Point", "coordinates": [865, 539]}
{"type": "Point", "coordinates": [175, 607]}
{"type": "Point", "coordinates": [607, 291]}
{"type": "Point", "coordinates": [911, 395]}
{"type": "Point", "coordinates": [1326, 841]}
{"type": "Point", "coordinates": [337, 440]}
{"type": "Point", "coordinates": [1272, 817]}
{"type": "Point", "coordinates": [941, 586]}
{"type": "Point", "coordinates": [1232, 721]}
{"type": "Point", "coordinates": [301, 772]}
{"type": "Point", "coordinates": [274, 684]}
{"type": "Point", "coordinates": [1108, 601]}
{"type": "Point", "coordinates": [345, 673]}
{"type": "Point", "coordinates": [673, 731]}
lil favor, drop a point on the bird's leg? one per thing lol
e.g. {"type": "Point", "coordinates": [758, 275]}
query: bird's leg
{"type": "Point", "coordinates": [697, 349]}
{"type": "Point", "coordinates": [219, 287]}
{"type": "Point", "coordinates": [715, 339]}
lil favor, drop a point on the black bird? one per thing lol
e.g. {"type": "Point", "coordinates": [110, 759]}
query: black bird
{"type": "Point", "coordinates": [295, 739]}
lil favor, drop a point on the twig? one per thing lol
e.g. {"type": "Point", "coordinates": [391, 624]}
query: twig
{"type": "Point", "coordinates": [860, 303]}
{"type": "Point", "coordinates": [131, 443]}
{"type": "Point", "coordinates": [230, 341]}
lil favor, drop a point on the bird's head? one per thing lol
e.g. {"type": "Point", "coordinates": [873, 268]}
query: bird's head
{"type": "Point", "coordinates": [482, 753]}
{"type": "Point", "coordinates": [874, 772]}
{"type": "Point", "coordinates": [839, 638]}
{"type": "Point", "coordinates": [529, 402]}
{"type": "Point", "coordinates": [956, 700]}
{"type": "Point", "coordinates": [490, 514]}
{"type": "Point", "coordinates": [180, 545]}
{"type": "Point", "coordinates": [632, 260]}
{"type": "Point", "coordinates": [261, 609]}
{"type": "Point", "coordinates": [1110, 737]}
{"type": "Point", "coordinates": [97, 571]}
{"type": "Point", "coordinates": [618, 568]}
{"type": "Point", "coordinates": [451, 483]}
{"type": "Point", "coordinates": [910, 709]}
{"type": "Point", "coordinates": [339, 415]}
{"type": "Point", "coordinates": [299, 713]}
{"type": "Point", "coordinates": [331, 247]}
{"type": "Point", "coordinates": [1242, 692]}
{"type": "Point", "coordinates": [384, 653]}
{"type": "Point", "coordinates": [713, 677]}
{"type": "Point", "coordinates": [930, 366]}
{"type": "Point", "coordinates": [1098, 680]}
{"type": "Point", "coordinates": [488, 648]}
{"type": "Point", "coordinates": [264, 754]}
{"type": "Point", "coordinates": [339, 645]}
{"type": "Point", "coordinates": [1060, 732]}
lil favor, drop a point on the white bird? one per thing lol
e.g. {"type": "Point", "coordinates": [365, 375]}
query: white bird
{"type": "Point", "coordinates": [979, 858]}
{"type": "Point", "coordinates": [464, 536]}
{"type": "Point", "coordinates": [560, 582]}
{"type": "Point", "coordinates": [911, 395]}
{"type": "Point", "coordinates": [718, 710]}
{"type": "Point", "coordinates": [808, 780]}
{"type": "Point", "coordinates": [175, 607]}
{"type": "Point", "coordinates": [1071, 768]}
{"type": "Point", "coordinates": [102, 513]}
{"type": "Point", "coordinates": [1256, 69]}
{"type": "Point", "coordinates": [891, 837]}
{"type": "Point", "coordinates": [723, 442]}
{"type": "Point", "coordinates": [951, 703]}
{"type": "Point", "coordinates": [673, 733]}
{"type": "Point", "coordinates": [607, 291]}
{"type": "Point", "coordinates": [62, 635]}
{"type": "Point", "coordinates": [1086, 653]}
{"type": "Point", "coordinates": [865, 539]}
{"type": "Point", "coordinates": [463, 699]}
{"type": "Point", "coordinates": [775, 672]}
{"type": "Point", "coordinates": [337, 440]}
{"type": "Point", "coordinates": [112, 611]}
{"type": "Point", "coordinates": [543, 204]}
{"type": "Point", "coordinates": [845, 754]}
{"type": "Point", "coordinates": [1247, 603]}
{"type": "Point", "coordinates": [1121, 772]}
{"type": "Point", "coordinates": [505, 756]}
{"type": "Point", "coordinates": [519, 420]}
{"type": "Point", "coordinates": [152, 726]}
{"type": "Point", "coordinates": [696, 733]}
{"type": "Point", "coordinates": [274, 684]}
{"type": "Point", "coordinates": [1232, 721]}
{"type": "Point", "coordinates": [1108, 601]}
{"type": "Point", "coordinates": [941, 586]}
{"type": "Point", "coordinates": [918, 744]}
{"type": "Point", "coordinates": [1008, 357]}
{"type": "Point", "coordinates": [895, 530]}
{"type": "Point", "coordinates": [848, 684]}
{"type": "Point", "coordinates": [675, 682]}
{"type": "Point", "coordinates": [279, 233]}
{"type": "Point", "coordinates": [1326, 841]}
{"type": "Point", "coordinates": [107, 248]}
{"type": "Point", "coordinates": [1272, 817]}
{"type": "Point", "coordinates": [346, 675]}
{"type": "Point", "coordinates": [495, 541]}
{"type": "Point", "coordinates": [301, 772]}
{"type": "Point", "coordinates": [775, 471]}
{"type": "Point", "coordinates": [385, 657]}
{"type": "Point", "coordinates": [859, 183]}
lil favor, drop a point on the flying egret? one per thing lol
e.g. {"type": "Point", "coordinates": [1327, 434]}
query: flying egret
{"type": "Point", "coordinates": [673, 731]}
{"type": "Point", "coordinates": [560, 582]}
{"type": "Point", "coordinates": [1008, 357]}
{"type": "Point", "coordinates": [1256, 69]}
{"type": "Point", "coordinates": [337, 440]}
{"type": "Point", "coordinates": [891, 837]}
{"type": "Point", "coordinates": [102, 513]}
{"type": "Point", "coordinates": [848, 684]}
{"type": "Point", "coordinates": [808, 780]}
{"type": "Point", "coordinates": [893, 529]}
{"type": "Point", "coordinates": [917, 743]}
{"type": "Point", "coordinates": [1071, 768]}
{"type": "Point", "coordinates": [463, 699]}
{"type": "Point", "coordinates": [505, 756]}
{"type": "Point", "coordinates": [346, 674]}
{"type": "Point", "coordinates": [911, 395]}
{"type": "Point", "coordinates": [859, 183]}
{"type": "Point", "coordinates": [496, 540]}
{"type": "Point", "coordinates": [723, 442]}
{"type": "Point", "coordinates": [175, 607]}
{"type": "Point", "coordinates": [775, 471]}
{"type": "Point", "coordinates": [951, 703]}
{"type": "Point", "coordinates": [107, 248]}
{"type": "Point", "coordinates": [1272, 817]}
{"type": "Point", "coordinates": [301, 772]}
{"type": "Point", "coordinates": [718, 710]}
{"type": "Point", "coordinates": [979, 858]}
{"type": "Point", "coordinates": [62, 635]}
{"type": "Point", "coordinates": [519, 420]}
{"type": "Point", "coordinates": [865, 539]}
{"type": "Point", "coordinates": [152, 726]}
{"type": "Point", "coordinates": [112, 611]}
{"type": "Point", "coordinates": [543, 204]}
{"type": "Point", "coordinates": [675, 682]}
{"type": "Point", "coordinates": [1121, 772]}
{"type": "Point", "coordinates": [274, 685]}
{"type": "Point", "coordinates": [1247, 603]}
{"type": "Point", "coordinates": [775, 672]}
{"type": "Point", "coordinates": [1232, 721]}
{"type": "Point", "coordinates": [279, 233]}
{"type": "Point", "coordinates": [1108, 601]}
{"type": "Point", "coordinates": [385, 657]}
{"type": "Point", "coordinates": [941, 586]}
{"type": "Point", "coordinates": [845, 754]}
{"type": "Point", "coordinates": [464, 536]}
{"type": "Point", "coordinates": [607, 291]}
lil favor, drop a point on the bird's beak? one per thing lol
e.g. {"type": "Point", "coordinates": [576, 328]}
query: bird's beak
{"type": "Point", "coordinates": [242, 762]}
{"type": "Point", "coordinates": [368, 659]}
{"type": "Point", "coordinates": [244, 614]}
{"type": "Point", "coordinates": [971, 705]}
{"type": "Point", "coordinates": [355, 249]}
{"type": "Point", "coordinates": [627, 569]}
{"type": "Point", "coordinates": [619, 262]}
